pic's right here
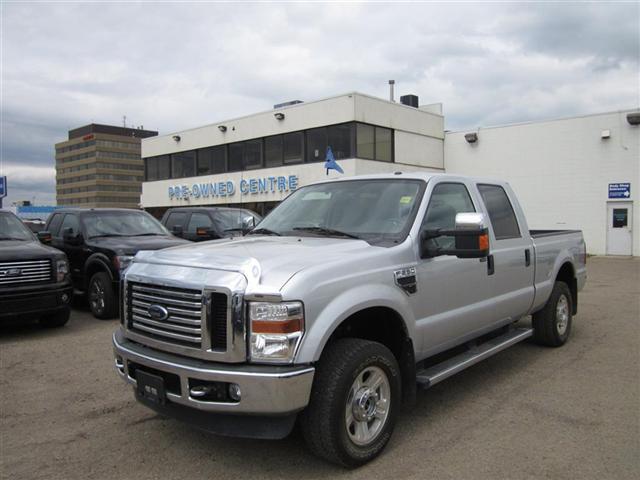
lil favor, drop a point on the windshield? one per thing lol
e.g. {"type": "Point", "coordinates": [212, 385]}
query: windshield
{"type": "Point", "coordinates": [121, 224]}
{"type": "Point", "coordinates": [12, 228]}
{"type": "Point", "coordinates": [373, 210]}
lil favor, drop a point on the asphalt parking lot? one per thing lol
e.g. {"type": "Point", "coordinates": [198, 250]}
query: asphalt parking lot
{"type": "Point", "coordinates": [528, 412]}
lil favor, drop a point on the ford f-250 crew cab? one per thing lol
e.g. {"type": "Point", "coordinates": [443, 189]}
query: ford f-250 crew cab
{"type": "Point", "coordinates": [341, 302]}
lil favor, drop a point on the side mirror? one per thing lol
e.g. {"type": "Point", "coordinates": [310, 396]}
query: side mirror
{"type": "Point", "coordinates": [471, 237]}
{"type": "Point", "coordinates": [71, 238]}
{"type": "Point", "coordinates": [44, 237]}
{"type": "Point", "coordinates": [248, 225]}
{"type": "Point", "coordinates": [177, 230]}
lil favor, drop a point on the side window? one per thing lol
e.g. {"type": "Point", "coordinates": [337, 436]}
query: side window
{"type": "Point", "coordinates": [199, 220]}
{"type": "Point", "coordinates": [176, 219]}
{"type": "Point", "coordinates": [70, 221]}
{"type": "Point", "coordinates": [447, 200]}
{"type": "Point", "coordinates": [54, 224]}
{"type": "Point", "coordinates": [503, 218]}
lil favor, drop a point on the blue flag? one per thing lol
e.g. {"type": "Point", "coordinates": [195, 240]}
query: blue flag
{"type": "Point", "coordinates": [330, 162]}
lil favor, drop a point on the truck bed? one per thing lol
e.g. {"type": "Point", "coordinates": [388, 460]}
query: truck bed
{"type": "Point", "coordinates": [549, 233]}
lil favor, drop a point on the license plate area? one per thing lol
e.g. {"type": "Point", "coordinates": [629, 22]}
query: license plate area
{"type": "Point", "coordinates": [151, 387]}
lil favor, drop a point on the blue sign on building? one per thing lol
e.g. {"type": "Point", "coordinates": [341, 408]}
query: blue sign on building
{"type": "Point", "coordinates": [619, 190]}
{"type": "Point", "coordinates": [3, 187]}
{"type": "Point", "coordinates": [249, 186]}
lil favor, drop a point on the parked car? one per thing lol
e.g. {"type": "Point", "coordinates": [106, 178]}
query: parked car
{"type": "Point", "coordinates": [345, 299]}
{"type": "Point", "coordinates": [100, 244]}
{"type": "Point", "coordinates": [34, 278]}
{"type": "Point", "coordinates": [209, 223]}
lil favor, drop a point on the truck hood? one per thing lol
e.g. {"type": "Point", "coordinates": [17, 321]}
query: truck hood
{"type": "Point", "coordinates": [18, 250]}
{"type": "Point", "coordinates": [265, 261]}
{"type": "Point", "coordinates": [132, 245]}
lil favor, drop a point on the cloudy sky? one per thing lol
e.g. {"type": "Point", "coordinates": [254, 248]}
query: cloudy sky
{"type": "Point", "coordinates": [170, 66]}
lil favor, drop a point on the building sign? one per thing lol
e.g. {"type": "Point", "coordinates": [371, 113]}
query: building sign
{"type": "Point", "coordinates": [619, 190]}
{"type": "Point", "coordinates": [3, 187]}
{"type": "Point", "coordinates": [246, 186]}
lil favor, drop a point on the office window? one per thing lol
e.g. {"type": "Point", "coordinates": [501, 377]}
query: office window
{"type": "Point", "coordinates": [183, 164]}
{"type": "Point", "coordinates": [164, 167]}
{"type": "Point", "coordinates": [384, 144]}
{"type": "Point", "coordinates": [293, 147]}
{"type": "Point", "coordinates": [236, 152]}
{"type": "Point", "coordinates": [316, 144]}
{"type": "Point", "coordinates": [365, 141]}
{"type": "Point", "coordinates": [501, 214]}
{"type": "Point", "coordinates": [157, 168]}
{"type": "Point", "coordinates": [340, 140]}
{"type": "Point", "coordinates": [253, 154]}
{"type": "Point", "coordinates": [212, 160]}
{"type": "Point", "coordinates": [273, 151]}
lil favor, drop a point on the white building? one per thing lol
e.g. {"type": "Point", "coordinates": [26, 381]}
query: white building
{"type": "Point", "coordinates": [565, 172]}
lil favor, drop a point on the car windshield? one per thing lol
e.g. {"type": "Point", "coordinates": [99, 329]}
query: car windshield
{"type": "Point", "coordinates": [12, 228]}
{"type": "Point", "coordinates": [121, 224]}
{"type": "Point", "coordinates": [378, 211]}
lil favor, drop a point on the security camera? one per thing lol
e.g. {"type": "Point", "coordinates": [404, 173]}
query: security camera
{"type": "Point", "coordinates": [279, 115]}
{"type": "Point", "coordinates": [176, 138]}
{"type": "Point", "coordinates": [471, 137]}
{"type": "Point", "coordinates": [222, 128]}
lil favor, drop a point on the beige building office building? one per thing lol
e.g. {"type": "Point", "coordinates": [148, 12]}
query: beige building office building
{"type": "Point", "coordinates": [100, 166]}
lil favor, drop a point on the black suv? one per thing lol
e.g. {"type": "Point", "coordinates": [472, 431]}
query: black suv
{"type": "Point", "coordinates": [100, 243]}
{"type": "Point", "coordinates": [209, 223]}
{"type": "Point", "coordinates": [34, 278]}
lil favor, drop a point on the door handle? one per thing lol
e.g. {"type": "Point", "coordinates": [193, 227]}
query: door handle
{"type": "Point", "coordinates": [527, 257]}
{"type": "Point", "coordinates": [490, 266]}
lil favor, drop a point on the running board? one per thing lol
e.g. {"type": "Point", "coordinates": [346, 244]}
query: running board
{"type": "Point", "coordinates": [437, 373]}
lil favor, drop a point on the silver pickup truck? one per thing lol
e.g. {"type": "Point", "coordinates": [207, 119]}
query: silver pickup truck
{"type": "Point", "coordinates": [343, 302]}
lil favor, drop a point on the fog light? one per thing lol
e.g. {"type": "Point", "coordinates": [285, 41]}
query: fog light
{"type": "Point", "coordinates": [234, 392]}
{"type": "Point", "coordinates": [64, 298]}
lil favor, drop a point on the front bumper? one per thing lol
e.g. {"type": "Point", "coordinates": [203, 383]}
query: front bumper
{"type": "Point", "coordinates": [266, 390]}
{"type": "Point", "coordinates": [34, 300]}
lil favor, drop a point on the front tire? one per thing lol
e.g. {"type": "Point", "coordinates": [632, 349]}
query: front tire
{"type": "Point", "coordinates": [102, 299]}
{"type": "Point", "coordinates": [57, 319]}
{"type": "Point", "coordinates": [552, 324]}
{"type": "Point", "coordinates": [354, 400]}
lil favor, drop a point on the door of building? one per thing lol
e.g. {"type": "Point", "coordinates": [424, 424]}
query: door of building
{"type": "Point", "coordinates": [619, 228]}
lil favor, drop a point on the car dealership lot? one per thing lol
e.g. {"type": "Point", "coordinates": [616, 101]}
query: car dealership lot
{"type": "Point", "coordinates": [528, 412]}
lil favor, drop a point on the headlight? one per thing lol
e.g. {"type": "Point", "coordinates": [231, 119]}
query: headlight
{"type": "Point", "coordinates": [276, 330]}
{"type": "Point", "coordinates": [62, 270]}
{"type": "Point", "coordinates": [122, 261]}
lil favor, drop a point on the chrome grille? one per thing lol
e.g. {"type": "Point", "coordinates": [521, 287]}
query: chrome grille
{"type": "Point", "coordinates": [25, 272]}
{"type": "Point", "coordinates": [183, 325]}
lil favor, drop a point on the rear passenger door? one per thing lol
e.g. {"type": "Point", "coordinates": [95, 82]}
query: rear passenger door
{"type": "Point", "coordinates": [511, 255]}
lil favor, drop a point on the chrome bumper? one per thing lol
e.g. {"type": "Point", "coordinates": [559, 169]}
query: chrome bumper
{"type": "Point", "coordinates": [266, 390]}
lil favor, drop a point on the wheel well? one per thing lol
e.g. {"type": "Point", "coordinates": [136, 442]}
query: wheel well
{"type": "Point", "coordinates": [384, 325]}
{"type": "Point", "coordinates": [93, 268]}
{"type": "Point", "coordinates": [567, 275]}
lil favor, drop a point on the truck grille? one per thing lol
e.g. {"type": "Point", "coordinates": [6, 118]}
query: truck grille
{"type": "Point", "coordinates": [25, 272]}
{"type": "Point", "coordinates": [183, 322]}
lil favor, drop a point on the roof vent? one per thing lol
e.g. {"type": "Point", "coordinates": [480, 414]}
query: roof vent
{"type": "Point", "coordinates": [409, 100]}
{"type": "Point", "coordinates": [286, 104]}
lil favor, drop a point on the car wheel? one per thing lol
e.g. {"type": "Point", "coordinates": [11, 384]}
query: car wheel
{"type": "Point", "coordinates": [102, 299]}
{"type": "Point", "coordinates": [57, 319]}
{"type": "Point", "coordinates": [354, 399]}
{"type": "Point", "coordinates": [552, 324]}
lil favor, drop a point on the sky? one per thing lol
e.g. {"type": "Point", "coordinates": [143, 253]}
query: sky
{"type": "Point", "coordinates": [172, 66]}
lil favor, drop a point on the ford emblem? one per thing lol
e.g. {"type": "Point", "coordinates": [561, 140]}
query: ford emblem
{"type": "Point", "coordinates": [158, 312]}
{"type": "Point", "coordinates": [12, 272]}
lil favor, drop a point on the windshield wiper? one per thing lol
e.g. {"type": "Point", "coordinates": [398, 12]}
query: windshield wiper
{"type": "Point", "coordinates": [146, 234]}
{"type": "Point", "coordinates": [327, 231]}
{"type": "Point", "coordinates": [263, 231]}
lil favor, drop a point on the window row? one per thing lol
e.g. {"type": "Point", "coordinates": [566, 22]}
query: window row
{"type": "Point", "coordinates": [128, 156]}
{"type": "Point", "coordinates": [76, 146]}
{"type": "Point", "coordinates": [114, 144]}
{"type": "Point", "coordinates": [101, 176]}
{"type": "Point", "coordinates": [73, 158]}
{"type": "Point", "coordinates": [100, 188]}
{"type": "Point", "coordinates": [115, 166]}
{"type": "Point", "coordinates": [346, 140]}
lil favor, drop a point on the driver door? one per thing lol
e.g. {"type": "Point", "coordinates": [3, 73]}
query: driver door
{"type": "Point", "coordinates": [453, 297]}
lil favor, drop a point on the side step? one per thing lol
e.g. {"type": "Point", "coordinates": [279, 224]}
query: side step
{"type": "Point", "coordinates": [437, 373]}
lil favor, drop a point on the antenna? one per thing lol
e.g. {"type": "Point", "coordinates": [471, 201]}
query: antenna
{"type": "Point", "coordinates": [124, 121]}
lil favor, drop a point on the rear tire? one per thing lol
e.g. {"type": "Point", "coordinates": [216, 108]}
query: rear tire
{"type": "Point", "coordinates": [103, 301]}
{"type": "Point", "coordinates": [552, 324]}
{"type": "Point", "coordinates": [57, 319]}
{"type": "Point", "coordinates": [354, 400]}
